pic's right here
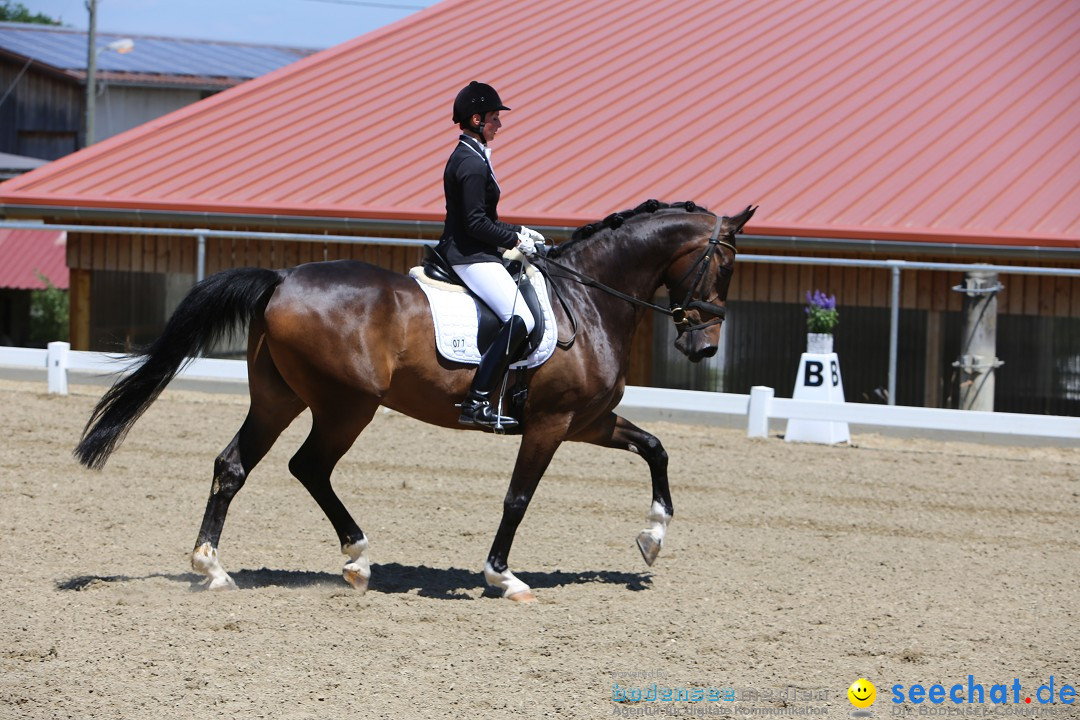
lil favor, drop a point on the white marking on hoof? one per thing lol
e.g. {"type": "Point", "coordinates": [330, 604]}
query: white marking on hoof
{"type": "Point", "coordinates": [357, 572]}
{"type": "Point", "coordinates": [204, 559]}
{"type": "Point", "coordinates": [651, 539]}
{"type": "Point", "coordinates": [512, 588]}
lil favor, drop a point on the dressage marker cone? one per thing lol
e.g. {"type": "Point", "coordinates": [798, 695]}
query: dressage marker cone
{"type": "Point", "coordinates": [818, 379]}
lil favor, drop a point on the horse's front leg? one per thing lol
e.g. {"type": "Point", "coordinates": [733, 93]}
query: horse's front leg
{"type": "Point", "coordinates": [538, 446]}
{"type": "Point", "coordinates": [614, 431]}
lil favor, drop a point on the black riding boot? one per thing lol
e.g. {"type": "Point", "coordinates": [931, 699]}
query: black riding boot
{"type": "Point", "coordinates": [476, 408]}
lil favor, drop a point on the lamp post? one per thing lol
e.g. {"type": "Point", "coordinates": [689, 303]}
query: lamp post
{"type": "Point", "coordinates": [121, 46]}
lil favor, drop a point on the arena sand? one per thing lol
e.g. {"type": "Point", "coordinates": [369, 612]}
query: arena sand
{"type": "Point", "coordinates": [901, 561]}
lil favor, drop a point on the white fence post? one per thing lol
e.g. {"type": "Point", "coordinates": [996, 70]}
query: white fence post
{"type": "Point", "coordinates": [758, 416]}
{"type": "Point", "coordinates": [56, 360]}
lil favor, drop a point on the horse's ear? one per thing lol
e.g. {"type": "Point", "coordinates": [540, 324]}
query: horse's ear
{"type": "Point", "coordinates": [733, 225]}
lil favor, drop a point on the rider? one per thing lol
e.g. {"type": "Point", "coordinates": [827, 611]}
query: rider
{"type": "Point", "coordinates": [473, 240]}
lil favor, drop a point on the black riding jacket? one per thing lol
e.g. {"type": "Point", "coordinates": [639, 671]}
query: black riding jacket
{"type": "Point", "coordinates": [473, 232]}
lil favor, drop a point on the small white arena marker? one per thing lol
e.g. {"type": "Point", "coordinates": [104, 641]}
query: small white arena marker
{"type": "Point", "coordinates": [56, 359]}
{"type": "Point", "coordinates": [818, 379]}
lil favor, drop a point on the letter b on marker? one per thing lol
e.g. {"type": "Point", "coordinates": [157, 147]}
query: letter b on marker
{"type": "Point", "coordinates": [814, 375]}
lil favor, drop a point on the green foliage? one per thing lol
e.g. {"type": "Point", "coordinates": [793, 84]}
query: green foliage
{"type": "Point", "coordinates": [48, 313]}
{"type": "Point", "coordinates": [821, 313]}
{"type": "Point", "coordinates": [17, 12]}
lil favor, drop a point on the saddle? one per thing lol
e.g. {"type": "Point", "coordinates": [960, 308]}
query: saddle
{"type": "Point", "coordinates": [465, 326]}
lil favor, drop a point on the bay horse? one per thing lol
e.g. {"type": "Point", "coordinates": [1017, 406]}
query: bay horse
{"type": "Point", "coordinates": [344, 337]}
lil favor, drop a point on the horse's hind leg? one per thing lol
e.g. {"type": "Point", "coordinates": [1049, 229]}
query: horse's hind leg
{"type": "Point", "coordinates": [330, 438]}
{"type": "Point", "coordinates": [273, 406]}
{"type": "Point", "coordinates": [231, 468]}
{"type": "Point", "coordinates": [614, 431]}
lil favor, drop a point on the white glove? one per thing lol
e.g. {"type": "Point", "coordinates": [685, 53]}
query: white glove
{"type": "Point", "coordinates": [533, 235]}
{"type": "Point", "coordinates": [526, 245]}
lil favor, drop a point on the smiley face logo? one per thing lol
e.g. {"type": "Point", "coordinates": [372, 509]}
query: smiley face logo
{"type": "Point", "coordinates": [862, 693]}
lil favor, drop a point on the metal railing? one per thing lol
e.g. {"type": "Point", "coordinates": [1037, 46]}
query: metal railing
{"type": "Point", "coordinates": [895, 267]}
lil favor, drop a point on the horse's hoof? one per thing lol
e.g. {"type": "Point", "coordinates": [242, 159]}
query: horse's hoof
{"type": "Point", "coordinates": [221, 584]}
{"type": "Point", "coordinates": [204, 560]}
{"type": "Point", "coordinates": [648, 546]}
{"type": "Point", "coordinates": [508, 584]}
{"type": "Point", "coordinates": [357, 578]}
{"type": "Point", "coordinates": [523, 596]}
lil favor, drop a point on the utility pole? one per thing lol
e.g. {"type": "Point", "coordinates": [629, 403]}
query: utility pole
{"type": "Point", "coordinates": [91, 72]}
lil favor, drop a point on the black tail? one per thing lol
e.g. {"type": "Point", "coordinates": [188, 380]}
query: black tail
{"type": "Point", "coordinates": [210, 312]}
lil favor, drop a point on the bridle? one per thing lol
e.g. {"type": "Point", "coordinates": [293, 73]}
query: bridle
{"type": "Point", "coordinates": [676, 311]}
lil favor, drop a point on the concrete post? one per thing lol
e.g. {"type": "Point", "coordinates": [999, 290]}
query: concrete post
{"type": "Point", "coordinates": [757, 415]}
{"type": "Point", "coordinates": [56, 360]}
{"type": "Point", "coordinates": [978, 345]}
{"type": "Point", "coordinates": [200, 257]}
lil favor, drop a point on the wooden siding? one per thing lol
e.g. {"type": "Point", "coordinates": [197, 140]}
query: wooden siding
{"type": "Point", "coordinates": [43, 115]}
{"type": "Point", "coordinates": [754, 282]}
{"type": "Point", "coordinates": [169, 254]}
{"type": "Point", "coordinates": [761, 293]}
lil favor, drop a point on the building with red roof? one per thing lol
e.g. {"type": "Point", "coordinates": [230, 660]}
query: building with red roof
{"type": "Point", "coordinates": [909, 130]}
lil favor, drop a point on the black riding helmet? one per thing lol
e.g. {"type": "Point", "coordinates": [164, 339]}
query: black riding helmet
{"type": "Point", "coordinates": [476, 98]}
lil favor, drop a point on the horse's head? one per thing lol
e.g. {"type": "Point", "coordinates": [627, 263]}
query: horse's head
{"type": "Point", "coordinates": [698, 287]}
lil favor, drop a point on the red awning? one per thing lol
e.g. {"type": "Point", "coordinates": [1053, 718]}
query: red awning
{"type": "Point", "coordinates": [25, 253]}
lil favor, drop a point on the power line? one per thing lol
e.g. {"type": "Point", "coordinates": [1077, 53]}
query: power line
{"type": "Point", "coordinates": [382, 5]}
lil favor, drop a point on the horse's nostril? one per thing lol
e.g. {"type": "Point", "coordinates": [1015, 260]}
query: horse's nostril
{"type": "Point", "coordinates": [701, 354]}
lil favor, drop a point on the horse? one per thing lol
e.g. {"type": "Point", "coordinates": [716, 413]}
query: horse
{"type": "Point", "coordinates": [303, 321]}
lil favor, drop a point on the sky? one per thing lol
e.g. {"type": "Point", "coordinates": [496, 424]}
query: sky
{"type": "Point", "coordinates": [296, 23]}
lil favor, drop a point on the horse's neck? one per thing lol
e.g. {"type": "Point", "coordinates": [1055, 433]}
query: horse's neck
{"type": "Point", "coordinates": [636, 265]}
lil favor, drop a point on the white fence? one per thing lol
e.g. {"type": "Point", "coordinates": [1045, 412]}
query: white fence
{"type": "Point", "coordinates": [758, 407]}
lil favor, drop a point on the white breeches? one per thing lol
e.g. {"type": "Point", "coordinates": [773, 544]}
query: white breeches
{"type": "Point", "coordinates": [493, 284]}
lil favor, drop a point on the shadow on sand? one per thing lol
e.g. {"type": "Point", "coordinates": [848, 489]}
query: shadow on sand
{"type": "Point", "coordinates": [446, 583]}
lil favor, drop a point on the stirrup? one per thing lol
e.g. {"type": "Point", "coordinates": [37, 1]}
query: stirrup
{"type": "Point", "coordinates": [480, 412]}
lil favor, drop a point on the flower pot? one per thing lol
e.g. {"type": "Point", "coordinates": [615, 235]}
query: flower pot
{"type": "Point", "coordinates": [819, 343]}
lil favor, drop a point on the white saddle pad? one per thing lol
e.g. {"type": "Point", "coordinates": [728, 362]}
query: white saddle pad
{"type": "Point", "coordinates": [453, 311]}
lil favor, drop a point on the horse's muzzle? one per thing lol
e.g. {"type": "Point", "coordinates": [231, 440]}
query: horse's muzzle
{"type": "Point", "coordinates": [706, 352]}
{"type": "Point", "coordinates": [696, 345]}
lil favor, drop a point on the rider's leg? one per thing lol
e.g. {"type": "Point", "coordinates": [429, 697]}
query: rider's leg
{"type": "Point", "coordinates": [476, 408]}
{"type": "Point", "coordinates": [494, 286]}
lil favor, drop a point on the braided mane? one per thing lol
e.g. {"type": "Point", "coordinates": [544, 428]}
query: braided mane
{"type": "Point", "coordinates": [615, 220]}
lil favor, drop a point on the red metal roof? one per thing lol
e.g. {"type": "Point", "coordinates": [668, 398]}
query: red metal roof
{"type": "Point", "coordinates": [914, 119]}
{"type": "Point", "coordinates": [25, 253]}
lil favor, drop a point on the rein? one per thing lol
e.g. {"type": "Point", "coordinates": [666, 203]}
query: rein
{"type": "Point", "coordinates": [677, 312]}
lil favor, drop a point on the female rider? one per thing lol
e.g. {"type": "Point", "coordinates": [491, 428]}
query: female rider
{"type": "Point", "coordinates": [473, 240]}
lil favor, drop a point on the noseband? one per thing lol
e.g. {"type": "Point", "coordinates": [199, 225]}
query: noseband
{"type": "Point", "coordinates": [677, 312]}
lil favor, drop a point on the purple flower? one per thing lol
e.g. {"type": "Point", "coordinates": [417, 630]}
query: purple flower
{"type": "Point", "coordinates": [820, 300]}
{"type": "Point", "coordinates": [821, 312]}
